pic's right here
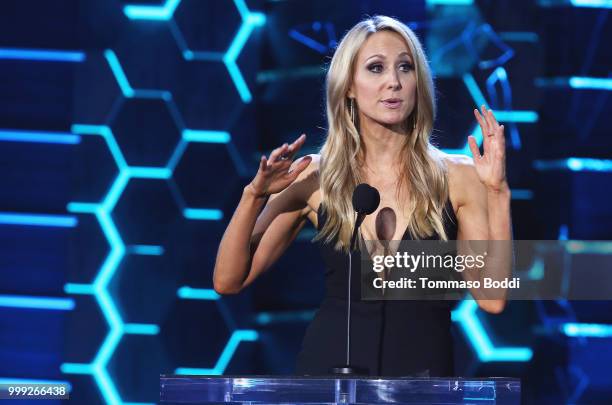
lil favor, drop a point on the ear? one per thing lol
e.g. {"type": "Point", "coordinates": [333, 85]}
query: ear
{"type": "Point", "coordinates": [350, 93]}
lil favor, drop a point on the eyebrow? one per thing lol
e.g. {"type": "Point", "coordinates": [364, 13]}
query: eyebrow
{"type": "Point", "coordinates": [383, 56]}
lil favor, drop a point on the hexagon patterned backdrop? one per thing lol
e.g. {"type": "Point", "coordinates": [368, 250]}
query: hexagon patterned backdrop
{"type": "Point", "coordinates": [128, 129]}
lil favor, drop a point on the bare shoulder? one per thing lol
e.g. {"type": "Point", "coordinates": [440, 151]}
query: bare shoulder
{"type": "Point", "coordinates": [461, 168]}
{"type": "Point", "coordinates": [308, 183]}
{"type": "Point", "coordinates": [462, 178]}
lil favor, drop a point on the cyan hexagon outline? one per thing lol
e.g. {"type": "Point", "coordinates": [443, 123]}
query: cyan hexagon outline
{"type": "Point", "coordinates": [46, 55]}
{"type": "Point", "coordinates": [500, 76]}
{"type": "Point", "coordinates": [501, 116]}
{"type": "Point", "coordinates": [297, 34]}
{"type": "Point", "coordinates": [187, 135]}
{"type": "Point", "coordinates": [124, 84]}
{"type": "Point", "coordinates": [576, 3]}
{"type": "Point", "coordinates": [20, 135]}
{"type": "Point", "coordinates": [204, 136]}
{"type": "Point", "coordinates": [36, 219]}
{"type": "Point", "coordinates": [103, 209]}
{"type": "Point", "coordinates": [190, 293]}
{"type": "Point", "coordinates": [449, 2]}
{"type": "Point", "coordinates": [250, 20]}
{"type": "Point", "coordinates": [465, 314]}
{"type": "Point", "coordinates": [208, 294]}
{"type": "Point", "coordinates": [99, 288]}
{"type": "Point", "coordinates": [240, 335]}
{"type": "Point", "coordinates": [142, 12]}
{"type": "Point", "coordinates": [35, 302]}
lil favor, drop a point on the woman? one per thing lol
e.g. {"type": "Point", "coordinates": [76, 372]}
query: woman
{"type": "Point", "coordinates": [380, 110]}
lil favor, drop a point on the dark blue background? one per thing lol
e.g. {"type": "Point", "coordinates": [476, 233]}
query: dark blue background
{"type": "Point", "coordinates": [128, 129]}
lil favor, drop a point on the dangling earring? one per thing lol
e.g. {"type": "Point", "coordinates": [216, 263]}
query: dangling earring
{"type": "Point", "coordinates": [352, 110]}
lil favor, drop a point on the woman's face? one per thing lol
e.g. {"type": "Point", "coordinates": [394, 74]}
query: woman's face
{"type": "Point", "coordinates": [384, 80]}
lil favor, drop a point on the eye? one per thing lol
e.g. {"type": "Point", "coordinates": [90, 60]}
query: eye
{"type": "Point", "coordinates": [406, 67]}
{"type": "Point", "coordinates": [375, 68]}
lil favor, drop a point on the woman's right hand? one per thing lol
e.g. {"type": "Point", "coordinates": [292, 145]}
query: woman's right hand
{"type": "Point", "coordinates": [275, 173]}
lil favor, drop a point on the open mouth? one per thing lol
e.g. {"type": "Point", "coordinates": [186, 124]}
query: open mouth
{"type": "Point", "coordinates": [392, 103]}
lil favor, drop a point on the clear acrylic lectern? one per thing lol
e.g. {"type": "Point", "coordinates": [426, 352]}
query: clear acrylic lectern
{"type": "Point", "coordinates": [270, 390]}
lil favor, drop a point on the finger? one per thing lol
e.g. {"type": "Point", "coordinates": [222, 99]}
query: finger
{"type": "Point", "coordinates": [299, 141]}
{"type": "Point", "coordinates": [300, 167]}
{"type": "Point", "coordinates": [487, 118]}
{"type": "Point", "coordinates": [263, 163]}
{"type": "Point", "coordinates": [494, 122]}
{"type": "Point", "coordinates": [500, 142]}
{"type": "Point", "coordinates": [500, 136]}
{"type": "Point", "coordinates": [484, 126]}
{"type": "Point", "coordinates": [474, 147]}
{"type": "Point", "coordinates": [484, 129]}
{"type": "Point", "coordinates": [494, 126]}
{"type": "Point", "coordinates": [490, 122]}
{"type": "Point", "coordinates": [296, 145]}
{"type": "Point", "coordinates": [276, 153]}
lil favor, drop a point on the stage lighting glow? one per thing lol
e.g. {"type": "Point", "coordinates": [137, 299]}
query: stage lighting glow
{"type": "Point", "coordinates": [124, 84]}
{"type": "Point", "coordinates": [140, 329]}
{"type": "Point", "coordinates": [18, 381]}
{"type": "Point", "coordinates": [203, 214]}
{"type": "Point", "coordinates": [15, 218]}
{"type": "Point", "coordinates": [192, 135]}
{"type": "Point", "coordinates": [266, 318]}
{"type": "Point", "coordinates": [575, 164]}
{"type": "Point", "coordinates": [188, 293]}
{"type": "Point", "coordinates": [99, 288]}
{"type": "Point", "coordinates": [474, 90]}
{"type": "Point", "coordinates": [465, 314]}
{"type": "Point", "coordinates": [225, 357]}
{"type": "Point", "coordinates": [449, 2]}
{"type": "Point", "coordinates": [592, 83]}
{"type": "Point", "coordinates": [142, 12]}
{"type": "Point", "coordinates": [516, 116]}
{"type": "Point", "coordinates": [592, 3]}
{"type": "Point", "coordinates": [250, 20]}
{"type": "Point", "coordinates": [146, 250]}
{"type": "Point", "coordinates": [592, 330]}
{"type": "Point", "coordinates": [119, 74]}
{"type": "Point", "coordinates": [15, 135]}
{"type": "Point", "coordinates": [43, 55]}
{"type": "Point", "coordinates": [33, 302]}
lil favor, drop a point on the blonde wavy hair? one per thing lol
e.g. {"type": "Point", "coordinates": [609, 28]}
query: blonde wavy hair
{"type": "Point", "coordinates": [342, 154]}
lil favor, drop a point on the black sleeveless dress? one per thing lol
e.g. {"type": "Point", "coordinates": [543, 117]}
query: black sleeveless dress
{"type": "Point", "coordinates": [388, 338]}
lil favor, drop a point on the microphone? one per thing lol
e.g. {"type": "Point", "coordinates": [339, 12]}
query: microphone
{"type": "Point", "coordinates": [365, 201]}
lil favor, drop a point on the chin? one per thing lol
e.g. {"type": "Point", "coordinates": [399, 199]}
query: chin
{"type": "Point", "coordinates": [392, 121]}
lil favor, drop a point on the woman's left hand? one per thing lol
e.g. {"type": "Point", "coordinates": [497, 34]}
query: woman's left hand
{"type": "Point", "coordinates": [491, 165]}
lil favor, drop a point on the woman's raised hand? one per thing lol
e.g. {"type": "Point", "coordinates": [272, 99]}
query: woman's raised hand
{"type": "Point", "coordinates": [491, 166]}
{"type": "Point", "coordinates": [276, 172]}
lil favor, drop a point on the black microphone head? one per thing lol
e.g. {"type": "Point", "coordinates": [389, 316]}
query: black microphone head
{"type": "Point", "coordinates": [365, 199]}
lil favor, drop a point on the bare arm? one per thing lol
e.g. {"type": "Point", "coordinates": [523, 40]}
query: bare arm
{"type": "Point", "coordinates": [252, 241]}
{"type": "Point", "coordinates": [485, 214]}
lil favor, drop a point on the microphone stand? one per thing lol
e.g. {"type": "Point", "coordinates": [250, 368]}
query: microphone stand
{"type": "Point", "coordinates": [348, 369]}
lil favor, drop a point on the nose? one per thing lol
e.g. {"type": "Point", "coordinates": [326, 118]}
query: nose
{"type": "Point", "coordinates": [394, 80]}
